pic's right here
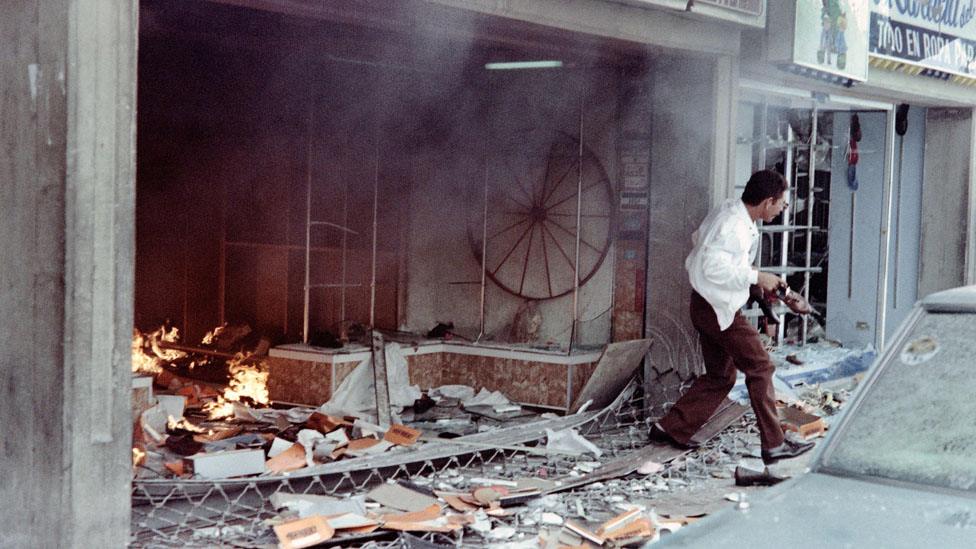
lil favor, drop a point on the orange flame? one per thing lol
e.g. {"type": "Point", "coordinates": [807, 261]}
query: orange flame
{"type": "Point", "coordinates": [138, 457]}
{"type": "Point", "coordinates": [172, 424]}
{"type": "Point", "coordinates": [147, 356]}
{"type": "Point", "coordinates": [247, 381]}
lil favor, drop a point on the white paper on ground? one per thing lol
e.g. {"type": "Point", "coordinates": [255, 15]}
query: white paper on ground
{"type": "Point", "coordinates": [481, 522]}
{"type": "Point", "coordinates": [307, 505]}
{"type": "Point", "coordinates": [350, 520]}
{"type": "Point", "coordinates": [308, 438]}
{"type": "Point", "coordinates": [270, 415]}
{"type": "Point", "coordinates": [155, 418]}
{"type": "Point", "coordinates": [338, 436]}
{"type": "Point", "coordinates": [356, 393]}
{"type": "Point", "coordinates": [395, 496]}
{"type": "Point", "coordinates": [460, 392]}
{"type": "Point", "coordinates": [278, 445]}
{"type": "Point", "coordinates": [568, 440]}
{"type": "Point", "coordinates": [172, 404]}
{"type": "Point", "coordinates": [485, 396]}
{"type": "Point", "coordinates": [323, 450]}
{"type": "Point", "coordinates": [649, 468]}
{"type": "Point", "coordinates": [228, 464]}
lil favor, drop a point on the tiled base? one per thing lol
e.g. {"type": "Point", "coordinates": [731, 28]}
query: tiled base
{"type": "Point", "coordinates": [527, 379]}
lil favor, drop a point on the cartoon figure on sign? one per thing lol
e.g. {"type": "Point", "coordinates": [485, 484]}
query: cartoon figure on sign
{"type": "Point", "coordinates": [826, 41]}
{"type": "Point", "coordinates": [840, 43]}
{"type": "Point", "coordinates": [832, 35]}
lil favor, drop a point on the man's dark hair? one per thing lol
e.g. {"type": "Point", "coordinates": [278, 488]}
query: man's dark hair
{"type": "Point", "coordinates": [762, 185]}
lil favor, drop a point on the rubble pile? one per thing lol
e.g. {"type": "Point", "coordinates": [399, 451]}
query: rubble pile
{"type": "Point", "coordinates": [561, 490]}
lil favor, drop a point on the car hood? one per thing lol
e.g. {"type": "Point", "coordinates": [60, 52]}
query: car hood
{"type": "Point", "coordinates": [819, 510]}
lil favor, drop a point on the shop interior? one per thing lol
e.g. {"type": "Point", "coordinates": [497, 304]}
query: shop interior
{"type": "Point", "coordinates": [313, 175]}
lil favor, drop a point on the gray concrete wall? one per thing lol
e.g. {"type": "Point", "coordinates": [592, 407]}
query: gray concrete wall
{"type": "Point", "coordinates": [946, 228]}
{"type": "Point", "coordinates": [66, 202]}
{"type": "Point", "coordinates": [681, 192]}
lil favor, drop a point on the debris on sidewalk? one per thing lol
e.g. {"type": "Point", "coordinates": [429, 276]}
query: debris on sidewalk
{"type": "Point", "coordinates": [804, 424]}
{"type": "Point", "coordinates": [232, 463]}
{"type": "Point", "coordinates": [602, 484]}
{"type": "Point", "coordinates": [306, 532]}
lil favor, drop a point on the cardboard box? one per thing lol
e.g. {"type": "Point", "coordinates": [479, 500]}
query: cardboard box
{"type": "Point", "coordinates": [233, 463]}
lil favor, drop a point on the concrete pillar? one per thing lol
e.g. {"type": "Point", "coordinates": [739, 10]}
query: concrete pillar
{"type": "Point", "coordinates": [686, 118]}
{"type": "Point", "coordinates": [945, 250]}
{"type": "Point", "coordinates": [67, 123]}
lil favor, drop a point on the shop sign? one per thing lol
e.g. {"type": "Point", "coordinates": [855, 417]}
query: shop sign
{"type": "Point", "coordinates": [831, 36]}
{"type": "Point", "coordinates": [751, 7]}
{"type": "Point", "coordinates": [746, 12]}
{"type": "Point", "coordinates": [937, 34]}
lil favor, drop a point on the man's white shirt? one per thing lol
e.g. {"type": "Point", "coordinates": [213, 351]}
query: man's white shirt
{"type": "Point", "coordinates": [720, 264]}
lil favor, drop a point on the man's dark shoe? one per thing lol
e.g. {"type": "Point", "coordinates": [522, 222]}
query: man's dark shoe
{"type": "Point", "coordinates": [745, 476]}
{"type": "Point", "coordinates": [659, 435]}
{"type": "Point", "coordinates": [789, 449]}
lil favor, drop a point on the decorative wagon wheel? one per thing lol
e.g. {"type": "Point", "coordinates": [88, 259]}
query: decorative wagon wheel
{"type": "Point", "coordinates": [531, 230]}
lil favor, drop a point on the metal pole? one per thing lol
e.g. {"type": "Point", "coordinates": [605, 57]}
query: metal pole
{"type": "Point", "coordinates": [850, 250]}
{"type": "Point", "coordinates": [376, 191]}
{"type": "Point", "coordinates": [579, 216]}
{"type": "Point", "coordinates": [345, 246]}
{"type": "Point", "coordinates": [885, 240]}
{"type": "Point", "coordinates": [811, 173]}
{"type": "Point", "coordinates": [897, 191]}
{"type": "Point", "coordinates": [764, 137]}
{"type": "Point", "coordinates": [484, 223]}
{"type": "Point", "coordinates": [308, 225]}
{"type": "Point", "coordinates": [787, 218]}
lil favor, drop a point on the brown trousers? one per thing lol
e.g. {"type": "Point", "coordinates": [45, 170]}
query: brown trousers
{"type": "Point", "coordinates": [724, 351]}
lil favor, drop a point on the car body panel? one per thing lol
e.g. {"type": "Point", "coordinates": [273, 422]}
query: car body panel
{"type": "Point", "coordinates": [818, 510]}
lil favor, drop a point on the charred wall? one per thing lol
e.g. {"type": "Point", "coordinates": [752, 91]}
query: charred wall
{"type": "Point", "coordinates": [240, 110]}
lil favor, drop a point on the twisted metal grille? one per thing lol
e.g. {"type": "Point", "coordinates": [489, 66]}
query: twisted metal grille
{"type": "Point", "coordinates": [235, 513]}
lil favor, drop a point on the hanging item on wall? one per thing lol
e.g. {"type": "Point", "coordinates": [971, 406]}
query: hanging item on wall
{"type": "Point", "coordinates": [901, 119]}
{"type": "Point", "coordinates": [852, 154]}
{"type": "Point", "coordinates": [901, 128]}
{"type": "Point", "coordinates": [852, 158]}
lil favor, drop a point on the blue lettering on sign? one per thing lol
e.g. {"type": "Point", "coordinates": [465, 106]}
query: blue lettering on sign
{"type": "Point", "coordinates": [952, 13]}
{"type": "Point", "coordinates": [922, 46]}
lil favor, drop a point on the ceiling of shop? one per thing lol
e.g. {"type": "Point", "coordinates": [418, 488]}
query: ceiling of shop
{"type": "Point", "coordinates": [421, 34]}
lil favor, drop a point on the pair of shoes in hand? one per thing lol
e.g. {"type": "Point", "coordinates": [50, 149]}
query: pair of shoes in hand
{"type": "Point", "coordinates": [795, 301]}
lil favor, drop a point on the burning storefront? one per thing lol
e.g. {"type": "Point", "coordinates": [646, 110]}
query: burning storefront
{"type": "Point", "coordinates": [476, 187]}
{"type": "Point", "coordinates": [316, 172]}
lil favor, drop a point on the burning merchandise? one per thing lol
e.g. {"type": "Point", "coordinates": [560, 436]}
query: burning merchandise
{"type": "Point", "coordinates": [148, 357]}
{"type": "Point", "coordinates": [160, 353]}
{"type": "Point", "coordinates": [248, 384]}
